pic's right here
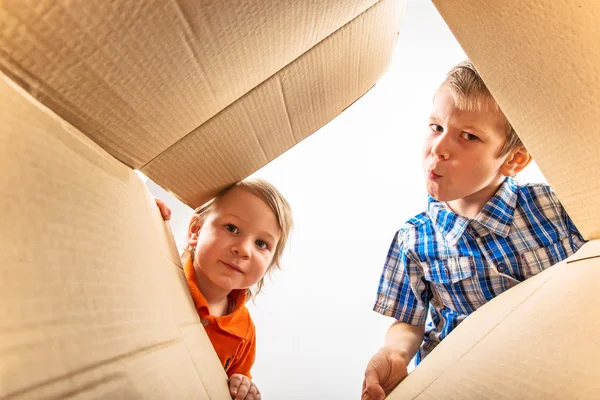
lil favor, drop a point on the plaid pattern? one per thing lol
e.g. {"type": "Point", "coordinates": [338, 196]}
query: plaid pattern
{"type": "Point", "coordinates": [451, 265]}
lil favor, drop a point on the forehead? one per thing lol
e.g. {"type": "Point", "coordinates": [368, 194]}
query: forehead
{"type": "Point", "coordinates": [480, 112]}
{"type": "Point", "coordinates": [249, 209]}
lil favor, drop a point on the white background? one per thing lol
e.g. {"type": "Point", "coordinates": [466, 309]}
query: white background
{"type": "Point", "coordinates": [352, 185]}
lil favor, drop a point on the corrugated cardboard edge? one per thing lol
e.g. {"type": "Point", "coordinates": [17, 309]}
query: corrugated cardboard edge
{"type": "Point", "coordinates": [60, 14]}
{"type": "Point", "coordinates": [173, 169]}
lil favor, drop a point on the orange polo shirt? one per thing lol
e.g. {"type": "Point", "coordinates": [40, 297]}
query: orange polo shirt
{"type": "Point", "coordinates": [233, 335]}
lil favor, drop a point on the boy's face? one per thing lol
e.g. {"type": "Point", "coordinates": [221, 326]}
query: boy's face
{"type": "Point", "coordinates": [461, 157]}
{"type": "Point", "coordinates": [236, 243]}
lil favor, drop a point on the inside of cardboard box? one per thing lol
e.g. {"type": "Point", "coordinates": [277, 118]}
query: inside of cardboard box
{"type": "Point", "coordinates": [331, 180]}
{"type": "Point", "coordinates": [348, 199]}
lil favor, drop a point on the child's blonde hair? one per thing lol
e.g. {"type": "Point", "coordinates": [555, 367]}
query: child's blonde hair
{"type": "Point", "coordinates": [470, 93]}
{"type": "Point", "coordinates": [278, 204]}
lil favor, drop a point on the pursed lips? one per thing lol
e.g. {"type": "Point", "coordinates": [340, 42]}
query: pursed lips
{"type": "Point", "coordinates": [431, 172]}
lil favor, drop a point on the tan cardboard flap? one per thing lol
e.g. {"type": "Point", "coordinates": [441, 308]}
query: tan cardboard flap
{"type": "Point", "coordinates": [94, 302]}
{"type": "Point", "coordinates": [536, 341]}
{"type": "Point", "coordinates": [541, 61]}
{"type": "Point", "coordinates": [282, 111]}
{"type": "Point", "coordinates": [137, 77]}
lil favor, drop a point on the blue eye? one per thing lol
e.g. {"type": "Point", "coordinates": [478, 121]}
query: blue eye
{"type": "Point", "coordinates": [231, 228]}
{"type": "Point", "coordinates": [261, 244]}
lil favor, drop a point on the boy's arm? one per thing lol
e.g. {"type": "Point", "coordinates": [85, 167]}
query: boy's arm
{"type": "Point", "coordinates": [403, 294]}
{"type": "Point", "coordinates": [404, 339]}
{"type": "Point", "coordinates": [388, 366]}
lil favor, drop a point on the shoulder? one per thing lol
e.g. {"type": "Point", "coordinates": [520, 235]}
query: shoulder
{"type": "Point", "coordinates": [416, 228]}
{"type": "Point", "coordinates": [410, 237]}
{"type": "Point", "coordinates": [418, 221]}
{"type": "Point", "coordinates": [539, 197]}
{"type": "Point", "coordinates": [531, 192]}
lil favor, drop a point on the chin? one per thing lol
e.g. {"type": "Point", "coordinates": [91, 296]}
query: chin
{"type": "Point", "coordinates": [433, 191]}
{"type": "Point", "coordinates": [441, 196]}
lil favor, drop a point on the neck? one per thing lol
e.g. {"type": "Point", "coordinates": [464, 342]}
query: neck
{"type": "Point", "coordinates": [216, 298]}
{"type": "Point", "coordinates": [472, 205]}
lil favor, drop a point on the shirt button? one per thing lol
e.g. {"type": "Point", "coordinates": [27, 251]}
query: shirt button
{"type": "Point", "coordinates": [501, 267]}
{"type": "Point", "coordinates": [204, 322]}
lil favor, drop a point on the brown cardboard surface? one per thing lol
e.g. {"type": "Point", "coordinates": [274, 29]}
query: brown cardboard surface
{"type": "Point", "coordinates": [138, 77]}
{"type": "Point", "coordinates": [282, 111]}
{"type": "Point", "coordinates": [94, 302]}
{"type": "Point", "coordinates": [198, 95]}
{"type": "Point", "coordinates": [541, 61]}
{"type": "Point", "coordinates": [538, 340]}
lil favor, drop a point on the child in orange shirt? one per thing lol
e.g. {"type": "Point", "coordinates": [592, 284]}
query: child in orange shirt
{"type": "Point", "coordinates": [233, 240]}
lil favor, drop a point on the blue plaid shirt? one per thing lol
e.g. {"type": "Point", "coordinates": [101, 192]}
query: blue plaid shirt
{"type": "Point", "coordinates": [452, 265]}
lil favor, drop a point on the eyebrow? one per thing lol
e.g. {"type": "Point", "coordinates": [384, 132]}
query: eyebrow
{"type": "Point", "coordinates": [475, 129]}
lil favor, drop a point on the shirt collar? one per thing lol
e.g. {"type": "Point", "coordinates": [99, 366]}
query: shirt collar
{"type": "Point", "coordinates": [496, 216]}
{"type": "Point", "coordinates": [234, 322]}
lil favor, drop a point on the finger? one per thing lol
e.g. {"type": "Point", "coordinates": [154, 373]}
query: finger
{"type": "Point", "coordinates": [253, 393]}
{"type": "Point", "coordinates": [234, 383]}
{"type": "Point", "coordinates": [242, 389]}
{"type": "Point", "coordinates": [164, 210]}
{"type": "Point", "coordinates": [372, 386]}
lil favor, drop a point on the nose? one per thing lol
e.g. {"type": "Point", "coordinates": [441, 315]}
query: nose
{"type": "Point", "coordinates": [241, 248]}
{"type": "Point", "coordinates": [440, 147]}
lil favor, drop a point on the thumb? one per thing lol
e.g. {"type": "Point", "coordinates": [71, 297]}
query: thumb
{"type": "Point", "coordinates": [371, 386]}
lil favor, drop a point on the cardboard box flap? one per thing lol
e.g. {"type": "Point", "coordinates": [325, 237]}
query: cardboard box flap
{"type": "Point", "coordinates": [136, 77]}
{"type": "Point", "coordinates": [590, 250]}
{"type": "Point", "coordinates": [537, 340]}
{"type": "Point", "coordinates": [283, 110]}
{"type": "Point", "coordinates": [541, 61]}
{"type": "Point", "coordinates": [94, 300]}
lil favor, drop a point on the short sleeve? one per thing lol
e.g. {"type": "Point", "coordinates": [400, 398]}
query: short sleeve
{"type": "Point", "coordinates": [402, 293]}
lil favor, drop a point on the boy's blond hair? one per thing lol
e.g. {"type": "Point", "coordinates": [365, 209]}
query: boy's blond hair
{"type": "Point", "coordinates": [276, 202]}
{"type": "Point", "coordinates": [470, 93]}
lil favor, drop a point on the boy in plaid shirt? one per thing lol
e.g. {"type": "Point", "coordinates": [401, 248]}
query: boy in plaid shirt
{"type": "Point", "coordinates": [481, 234]}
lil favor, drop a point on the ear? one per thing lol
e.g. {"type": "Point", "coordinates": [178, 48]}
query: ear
{"type": "Point", "coordinates": [194, 230]}
{"type": "Point", "coordinates": [516, 161]}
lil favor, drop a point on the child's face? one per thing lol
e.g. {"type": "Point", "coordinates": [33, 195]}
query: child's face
{"type": "Point", "coordinates": [461, 157]}
{"type": "Point", "coordinates": [236, 243]}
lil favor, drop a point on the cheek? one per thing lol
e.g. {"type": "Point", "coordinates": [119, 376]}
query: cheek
{"type": "Point", "coordinates": [425, 156]}
{"type": "Point", "coordinates": [208, 243]}
{"type": "Point", "coordinates": [262, 264]}
{"type": "Point", "coordinates": [426, 148]}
